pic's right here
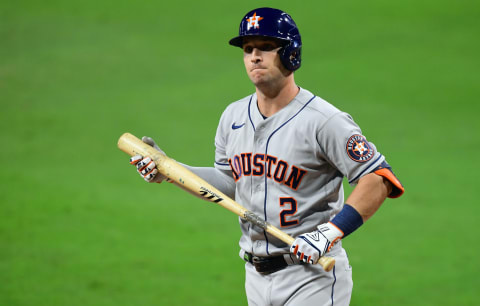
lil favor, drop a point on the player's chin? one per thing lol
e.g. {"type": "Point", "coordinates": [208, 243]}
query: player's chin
{"type": "Point", "coordinates": [259, 78]}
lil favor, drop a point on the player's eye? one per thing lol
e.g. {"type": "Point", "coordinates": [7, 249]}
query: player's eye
{"type": "Point", "coordinates": [267, 47]}
{"type": "Point", "coordinates": [248, 49]}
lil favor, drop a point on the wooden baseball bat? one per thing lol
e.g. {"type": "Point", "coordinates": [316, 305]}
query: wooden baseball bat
{"type": "Point", "coordinates": [131, 145]}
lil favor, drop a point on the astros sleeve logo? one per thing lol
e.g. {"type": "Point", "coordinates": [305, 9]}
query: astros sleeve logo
{"type": "Point", "coordinates": [253, 22]}
{"type": "Point", "coordinates": [358, 149]}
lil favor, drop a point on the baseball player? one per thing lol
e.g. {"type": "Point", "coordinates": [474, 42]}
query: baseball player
{"type": "Point", "coordinates": [282, 152]}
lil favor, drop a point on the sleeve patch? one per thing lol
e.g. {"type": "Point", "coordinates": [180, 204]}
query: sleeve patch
{"type": "Point", "coordinates": [358, 149]}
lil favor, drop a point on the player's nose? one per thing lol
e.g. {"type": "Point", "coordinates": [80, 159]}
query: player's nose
{"type": "Point", "coordinates": [256, 55]}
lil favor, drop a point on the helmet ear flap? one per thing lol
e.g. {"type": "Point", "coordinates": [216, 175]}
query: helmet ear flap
{"type": "Point", "coordinates": [290, 55]}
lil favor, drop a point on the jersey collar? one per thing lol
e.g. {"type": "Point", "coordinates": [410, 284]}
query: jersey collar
{"type": "Point", "coordinates": [282, 115]}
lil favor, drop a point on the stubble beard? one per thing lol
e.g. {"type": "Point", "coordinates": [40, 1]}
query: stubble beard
{"type": "Point", "coordinates": [261, 79]}
{"type": "Point", "coordinates": [270, 85]}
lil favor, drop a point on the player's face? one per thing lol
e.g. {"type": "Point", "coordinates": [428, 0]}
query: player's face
{"type": "Point", "coordinates": [262, 61]}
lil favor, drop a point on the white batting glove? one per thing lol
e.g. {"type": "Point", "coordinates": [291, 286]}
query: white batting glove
{"type": "Point", "coordinates": [146, 167]}
{"type": "Point", "coordinates": [309, 247]}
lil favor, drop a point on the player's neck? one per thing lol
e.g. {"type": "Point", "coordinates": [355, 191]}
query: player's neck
{"type": "Point", "coordinates": [271, 99]}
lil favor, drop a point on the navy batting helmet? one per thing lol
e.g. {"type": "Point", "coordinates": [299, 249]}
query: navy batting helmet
{"type": "Point", "coordinates": [270, 22]}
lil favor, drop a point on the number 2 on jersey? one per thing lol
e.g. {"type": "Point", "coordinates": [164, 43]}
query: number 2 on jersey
{"type": "Point", "coordinates": [288, 212]}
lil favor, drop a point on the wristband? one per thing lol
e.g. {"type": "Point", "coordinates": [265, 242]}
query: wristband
{"type": "Point", "coordinates": [347, 220]}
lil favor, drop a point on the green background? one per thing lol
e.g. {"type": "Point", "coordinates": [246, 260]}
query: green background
{"type": "Point", "coordinates": [79, 227]}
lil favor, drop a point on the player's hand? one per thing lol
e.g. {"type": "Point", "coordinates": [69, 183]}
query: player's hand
{"type": "Point", "coordinates": [309, 247]}
{"type": "Point", "coordinates": [146, 167]}
{"type": "Point", "coordinates": [151, 142]}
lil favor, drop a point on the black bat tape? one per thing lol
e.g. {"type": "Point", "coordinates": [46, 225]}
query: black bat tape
{"type": "Point", "coordinates": [208, 194]}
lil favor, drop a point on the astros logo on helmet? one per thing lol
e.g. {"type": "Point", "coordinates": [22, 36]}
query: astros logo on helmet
{"type": "Point", "coordinates": [253, 21]}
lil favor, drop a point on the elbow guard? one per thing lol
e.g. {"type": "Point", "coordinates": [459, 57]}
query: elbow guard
{"type": "Point", "coordinates": [385, 171]}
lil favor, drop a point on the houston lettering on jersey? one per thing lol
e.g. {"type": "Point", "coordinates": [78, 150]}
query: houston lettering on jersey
{"type": "Point", "coordinates": [247, 164]}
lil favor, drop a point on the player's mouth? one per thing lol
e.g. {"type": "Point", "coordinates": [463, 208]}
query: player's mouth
{"type": "Point", "coordinates": [257, 68]}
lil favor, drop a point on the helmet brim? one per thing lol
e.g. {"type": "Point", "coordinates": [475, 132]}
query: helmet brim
{"type": "Point", "coordinates": [238, 41]}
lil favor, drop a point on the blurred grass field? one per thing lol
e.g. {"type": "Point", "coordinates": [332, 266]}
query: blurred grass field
{"type": "Point", "coordinates": [79, 227]}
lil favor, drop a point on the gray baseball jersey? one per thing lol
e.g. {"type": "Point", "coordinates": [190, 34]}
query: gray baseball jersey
{"type": "Point", "coordinates": [289, 167]}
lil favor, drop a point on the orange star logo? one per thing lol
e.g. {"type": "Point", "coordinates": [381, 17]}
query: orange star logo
{"type": "Point", "coordinates": [360, 148]}
{"type": "Point", "coordinates": [253, 21]}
